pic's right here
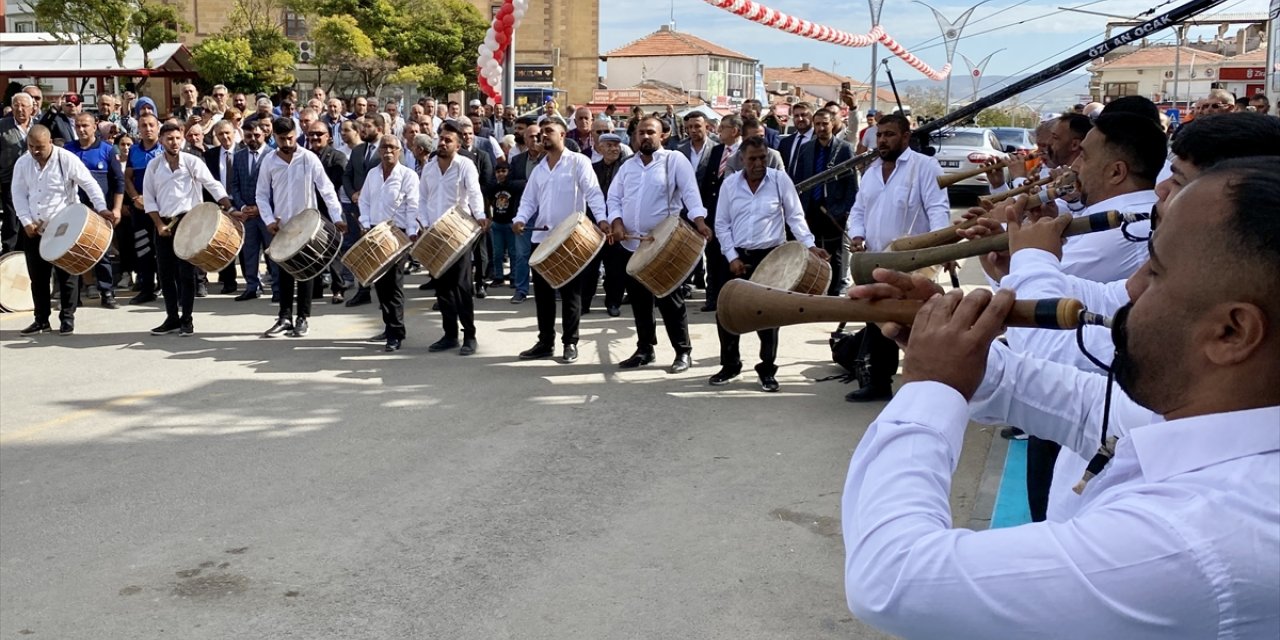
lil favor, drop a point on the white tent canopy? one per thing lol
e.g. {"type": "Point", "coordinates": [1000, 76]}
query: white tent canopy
{"type": "Point", "coordinates": [89, 59]}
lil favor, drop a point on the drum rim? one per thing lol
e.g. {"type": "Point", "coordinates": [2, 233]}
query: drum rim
{"type": "Point", "coordinates": [334, 244]}
{"type": "Point", "coordinates": [288, 225]}
{"type": "Point", "coordinates": [46, 239]}
{"type": "Point", "coordinates": [380, 271]}
{"type": "Point", "coordinates": [564, 228]}
{"type": "Point", "coordinates": [185, 230]}
{"type": "Point", "coordinates": [649, 250]}
{"type": "Point", "coordinates": [14, 256]}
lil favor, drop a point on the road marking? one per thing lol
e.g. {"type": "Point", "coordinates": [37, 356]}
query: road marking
{"type": "Point", "coordinates": [124, 401]}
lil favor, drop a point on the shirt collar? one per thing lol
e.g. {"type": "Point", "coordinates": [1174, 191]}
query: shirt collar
{"type": "Point", "coordinates": [1167, 449]}
{"type": "Point", "coordinates": [1126, 202]}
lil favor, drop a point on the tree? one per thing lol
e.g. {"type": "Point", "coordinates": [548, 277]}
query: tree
{"type": "Point", "coordinates": [226, 59]}
{"type": "Point", "coordinates": [251, 53]}
{"type": "Point", "coordinates": [156, 23]}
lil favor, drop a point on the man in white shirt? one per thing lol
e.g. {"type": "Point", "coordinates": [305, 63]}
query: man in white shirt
{"type": "Point", "coordinates": [562, 185]}
{"type": "Point", "coordinates": [45, 180]}
{"type": "Point", "coordinates": [395, 122]}
{"type": "Point", "coordinates": [288, 183]}
{"type": "Point", "coordinates": [1176, 536]}
{"type": "Point", "coordinates": [451, 180]}
{"type": "Point", "coordinates": [649, 188]}
{"type": "Point", "coordinates": [898, 196]}
{"type": "Point", "coordinates": [170, 188]}
{"type": "Point", "coordinates": [390, 192]}
{"type": "Point", "coordinates": [754, 205]}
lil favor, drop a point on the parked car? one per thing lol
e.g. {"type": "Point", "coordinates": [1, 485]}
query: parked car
{"type": "Point", "coordinates": [963, 149]}
{"type": "Point", "coordinates": [1015, 139]}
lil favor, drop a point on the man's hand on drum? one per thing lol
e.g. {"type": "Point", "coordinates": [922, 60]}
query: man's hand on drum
{"type": "Point", "coordinates": [165, 230]}
{"type": "Point", "coordinates": [517, 228]}
{"type": "Point", "coordinates": [858, 244]}
{"type": "Point", "coordinates": [607, 230]}
{"type": "Point", "coordinates": [110, 215]}
{"type": "Point", "coordinates": [895, 285]}
{"type": "Point", "coordinates": [341, 226]}
{"type": "Point", "coordinates": [619, 230]}
{"type": "Point", "coordinates": [820, 252]}
{"type": "Point", "coordinates": [701, 225]}
{"type": "Point", "coordinates": [32, 229]}
{"type": "Point", "coordinates": [738, 268]}
{"type": "Point", "coordinates": [274, 227]}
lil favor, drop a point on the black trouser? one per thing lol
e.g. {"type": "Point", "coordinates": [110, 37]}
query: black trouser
{"type": "Point", "coordinates": [105, 274]}
{"type": "Point", "coordinates": [390, 290]}
{"type": "Point", "coordinates": [1041, 457]}
{"type": "Point", "coordinates": [10, 228]}
{"type": "Point", "coordinates": [834, 245]}
{"type": "Point", "coordinates": [287, 286]}
{"type": "Point", "coordinates": [730, 356]}
{"type": "Point", "coordinates": [145, 255]}
{"type": "Point", "coordinates": [674, 317]}
{"type": "Point", "coordinates": [615, 274]}
{"type": "Point", "coordinates": [123, 236]}
{"type": "Point", "coordinates": [40, 271]}
{"type": "Point", "coordinates": [590, 280]}
{"type": "Point", "coordinates": [717, 270]}
{"type": "Point", "coordinates": [544, 298]}
{"type": "Point", "coordinates": [453, 292]}
{"type": "Point", "coordinates": [340, 276]}
{"type": "Point", "coordinates": [882, 355]}
{"type": "Point", "coordinates": [178, 278]}
{"type": "Point", "coordinates": [480, 253]}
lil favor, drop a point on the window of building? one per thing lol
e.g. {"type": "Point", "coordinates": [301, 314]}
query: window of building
{"type": "Point", "coordinates": [1121, 89]}
{"type": "Point", "coordinates": [24, 27]}
{"type": "Point", "coordinates": [295, 25]}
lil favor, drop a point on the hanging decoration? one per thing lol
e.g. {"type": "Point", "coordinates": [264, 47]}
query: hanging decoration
{"type": "Point", "coordinates": [761, 14]}
{"type": "Point", "coordinates": [493, 50]}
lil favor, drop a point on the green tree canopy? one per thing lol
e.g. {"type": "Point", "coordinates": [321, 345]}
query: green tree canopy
{"type": "Point", "coordinates": [251, 53]}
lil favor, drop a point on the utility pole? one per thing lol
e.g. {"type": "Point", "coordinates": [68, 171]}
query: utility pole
{"type": "Point", "coordinates": [875, 5]}
{"type": "Point", "coordinates": [950, 35]}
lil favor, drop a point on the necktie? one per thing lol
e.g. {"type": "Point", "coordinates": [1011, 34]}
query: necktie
{"type": "Point", "coordinates": [253, 160]}
{"type": "Point", "coordinates": [226, 169]}
{"type": "Point", "coordinates": [795, 152]}
{"type": "Point", "coordinates": [820, 162]}
{"type": "Point", "coordinates": [724, 160]}
{"type": "Point", "coordinates": [368, 155]}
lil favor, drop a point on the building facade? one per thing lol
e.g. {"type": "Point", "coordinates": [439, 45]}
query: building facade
{"type": "Point", "coordinates": [697, 67]}
{"type": "Point", "coordinates": [557, 45]}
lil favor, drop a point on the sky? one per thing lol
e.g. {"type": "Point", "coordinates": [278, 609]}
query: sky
{"type": "Point", "coordinates": [1048, 35]}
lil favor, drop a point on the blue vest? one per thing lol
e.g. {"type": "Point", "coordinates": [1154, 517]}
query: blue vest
{"type": "Point", "coordinates": [98, 159]}
{"type": "Point", "coordinates": [139, 158]}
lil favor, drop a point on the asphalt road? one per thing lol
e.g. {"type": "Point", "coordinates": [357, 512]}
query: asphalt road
{"type": "Point", "coordinates": [225, 485]}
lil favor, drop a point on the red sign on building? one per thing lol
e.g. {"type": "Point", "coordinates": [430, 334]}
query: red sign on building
{"type": "Point", "coordinates": [1242, 73]}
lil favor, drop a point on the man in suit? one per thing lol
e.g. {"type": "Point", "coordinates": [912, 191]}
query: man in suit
{"type": "Point", "coordinates": [752, 128]}
{"type": "Point", "coordinates": [789, 145]}
{"type": "Point", "coordinates": [709, 174]}
{"type": "Point", "coordinates": [335, 165]}
{"type": "Point", "coordinates": [479, 151]}
{"type": "Point", "coordinates": [519, 170]}
{"type": "Point", "coordinates": [220, 159]}
{"type": "Point", "coordinates": [363, 158]}
{"type": "Point", "coordinates": [752, 109]}
{"type": "Point", "coordinates": [244, 198]}
{"type": "Point", "coordinates": [826, 207]}
{"type": "Point", "coordinates": [13, 143]}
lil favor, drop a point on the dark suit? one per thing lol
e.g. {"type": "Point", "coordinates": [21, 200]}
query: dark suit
{"type": "Point", "coordinates": [13, 143]}
{"type": "Point", "coordinates": [826, 208]}
{"type": "Point", "coordinates": [213, 159]}
{"type": "Point", "coordinates": [787, 147]}
{"type": "Point", "coordinates": [358, 166]}
{"type": "Point", "coordinates": [243, 192]}
{"type": "Point", "coordinates": [335, 167]}
{"type": "Point", "coordinates": [771, 138]}
{"type": "Point", "coordinates": [709, 180]}
{"type": "Point", "coordinates": [484, 247]}
{"type": "Point", "coordinates": [612, 256]}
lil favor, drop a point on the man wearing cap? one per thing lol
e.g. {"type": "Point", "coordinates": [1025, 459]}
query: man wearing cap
{"type": "Point", "coordinates": [61, 119]}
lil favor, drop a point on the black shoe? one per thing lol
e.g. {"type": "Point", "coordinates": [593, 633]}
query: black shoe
{"type": "Point", "coordinates": [142, 298]}
{"type": "Point", "coordinates": [360, 298]}
{"type": "Point", "coordinates": [169, 326]}
{"type": "Point", "coordinates": [36, 328]}
{"type": "Point", "coordinates": [187, 330]}
{"type": "Point", "coordinates": [586, 311]}
{"type": "Point", "coordinates": [248, 294]}
{"type": "Point", "coordinates": [570, 353]}
{"type": "Point", "coordinates": [681, 363]}
{"type": "Point", "coordinates": [435, 306]}
{"type": "Point", "coordinates": [282, 325]}
{"type": "Point", "coordinates": [768, 383]}
{"type": "Point", "coordinates": [707, 308]}
{"type": "Point", "coordinates": [539, 350]}
{"type": "Point", "coordinates": [229, 288]}
{"type": "Point", "coordinates": [300, 328]}
{"type": "Point", "coordinates": [725, 374]}
{"type": "Point", "coordinates": [202, 290]}
{"type": "Point", "coordinates": [381, 337]}
{"type": "Point", "coordinates": [870, 394]}
{"type": "Point", "coordinates": [109, 301]}
{"type": "Point", "coordinates": [468, 347]}
{"type": "Point", "coordinates": [519, 298]}
{"type": "Point", "coordinates": [686, 291]}
{"type": "Point", "coordinates": [637, 359]}
{"type": "Point", "coordinates": [427, 286]}
{"type": "Point", "coordinates": [482, 292]}
{"type": "Point", "coordinates": [615, 312]}
{"type": "Point", "coordinates": [66, 328]}
{"type": "Point", "coordinates": [443, 344]}
{"type": "Point", "coordinates": [1013, 433]}
{"type": "Point", "coordinates": [336, 298]}
{"type": "Point", "coordinates": [393, 344]}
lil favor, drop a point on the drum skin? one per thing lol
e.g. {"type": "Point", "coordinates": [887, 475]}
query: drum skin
{"type": "Point", "coordinates": [376, 252]}
{"type": "Point", "coordinates": [15, 283]}
{"type": "Point", "coordinates": [568, 249]}
{"type": "Point", "coordinates": [450, 238]}
{"type": "Point", "coordinates": [792, 267]}
{"type": "Point", "coordinates": [664, 262]}
{"type": "Point", "coordinates": [208, 238]}
{"type": "Point", "coordinates": [75, 239]}
{"type": "Point", "coordinates": [305, 245]}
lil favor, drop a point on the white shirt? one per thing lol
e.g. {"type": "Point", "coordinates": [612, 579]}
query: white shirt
{"type": "Point", "coordinates": [910, 203]}
{"type": "Point", "coordinates": [226, 157]}
{"type": "Point", "coordinates": [553, 194]}
{"type": "Point", "coordinates": [746, 220]}
{"type": "Point", "coordinates": [457, 186]}
{"type": "Point", "coordinates": [170, 192]}
{"type": "Point", "coordinates": [396, 124]}
{"type": "Point", "coordinates": [1176, 538]}
{"type": "Point", "coordinates": [868, 138]}
{"type": "Point", "coordinates": [394, 198]}
{"type": "Point", "coordinates": [287, 188]}
{"type": "Point", "coordinates": [695, 154]}
{"type": "Point", "coordinates": [38, 193]}
{"type": "Point", "coordinates": [643, 195]}
{"type": "Point", "coordinates": [627, 153]}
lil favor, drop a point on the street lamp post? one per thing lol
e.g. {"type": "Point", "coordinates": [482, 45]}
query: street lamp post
{"type": "Point", "coordinates": [875, 5]}
{"type": "Point", "coordinates": [950, 35]}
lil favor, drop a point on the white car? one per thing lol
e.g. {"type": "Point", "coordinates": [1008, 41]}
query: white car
{"type": "Point", "coordinates": [964, 149]}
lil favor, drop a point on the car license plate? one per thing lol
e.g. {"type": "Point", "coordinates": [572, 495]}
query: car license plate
{"type": "Point", "coordinates": [950, 164]}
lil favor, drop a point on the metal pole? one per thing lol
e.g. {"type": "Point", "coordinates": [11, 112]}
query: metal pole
{"type": "Point", "coordinates": [874, 67]}
{"type": "Point", "coordinates": [509, 73]}
{"type": "Point", "coordinates": [1177, 66]}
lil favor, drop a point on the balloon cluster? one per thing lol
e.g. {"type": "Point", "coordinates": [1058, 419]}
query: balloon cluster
{"type": "Point", "coordinates": [494, 48]}
{"type": "Point", "coordinates": [769, 17]}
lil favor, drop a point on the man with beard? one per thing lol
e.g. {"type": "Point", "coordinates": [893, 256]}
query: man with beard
{"type": "Point", "coordinates": [560, 186]}
{"type": "Point", "coordinates": [752, 109]}
{"type": "Point", "coordinates": [364, 157]}
{"type": "Point", "coordinates": [335, 166]}
{"type": "Point", "coordinates": [635, 207]}
{"type": "Point", "coordinates": [789, 145]}
{"type": "Point", "coordinates": [146, 149]}
{"type": "Point", "coordinates": [246, 165]}
{"type": "Point", "coordinates": [171, 188]}
{"type": "Point", "coordinates": [827, 207]}
{"type": "Point", "coordinates": [1175, 536]}
{"type": "Point", "coordinates": [899, 197]}
{"type": "Point", "coordinates": [288, 183]}
{"type": "Point", "coordinates": [99, 157]}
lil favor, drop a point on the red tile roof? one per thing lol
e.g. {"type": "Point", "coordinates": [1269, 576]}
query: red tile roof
{"type": "Point", "coordinates": [666, 42]}
{"type": "Point", "coordinates": [799, 76]}
{"type": "Point", "coordinates": [1158, 57]}
{"type": "Point", "coordinates": [1253, 58]}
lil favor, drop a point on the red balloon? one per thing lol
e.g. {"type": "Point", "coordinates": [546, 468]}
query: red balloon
{"type": "Point", "coordinates": [509, 20]}
{"type": "Point", "coordinates": [503, 39]}
{"type": "Point", "coordinates": [499, 55]}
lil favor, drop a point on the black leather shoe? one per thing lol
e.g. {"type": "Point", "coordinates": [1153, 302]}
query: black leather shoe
{"type": "Point", "coordinates": [282, 325]}
{"type": "Point", "coordinates": [359, 299]}
{"type": "Point", "coordinates": [169, 326]}
{"type": "Point", "coordinates": [681, 364]}
{"type": "Point", "coordinates": [570, 353]}
{"type": "Point", "coordinates": [768, 383]}
{"type": "Point", "coordinates": [36, 328]}
{"type": "Point", "coordinates": [443, 344]}
{"type": "Point", "coordinates": [275, 298]}
{"type": "Point", "coordinates": [539, 350]}
{"type": "Point", "coordinates": [66, 329]}
{"type": "Point", "coordinates": [381, 337]}
{"type": "Point", "coordinates": [707, 308]}
{"type": "Point", "coordinates": [614, 312]}
{"type": "Point", "coordinates": [142, 298]}
{"type": "Point", "coordinates": [109, 301]}
{"type": "Point", "coordinates": [393, 344]}
{"type": "Point", "coordinates": [229, 288]}
{"type": "Point", "coordinates": [482, 293]}
{"type": "Point", "coordinates": [586, 311]}
{"type": "Point", "coordinates": [637, 359]}
{"type": "Point", "coordinates": [186, 329]}
{"type": "Point", "coordinates": [247, 295]}
{"type": "Point", "coordinates": [870, 394]}
{"type": "Point", "coordinates": [435, 306]}
{"type": "Point", "coordinates": [427, 286]}
{"type": "Point", "coordinates": [300, 328]}
{"type": "Point", "coordinates": [468, 347]}
{"type": "Point", "coordinates": [723, 376]}
{"type": "Point", "coordinates": [202, 290]}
